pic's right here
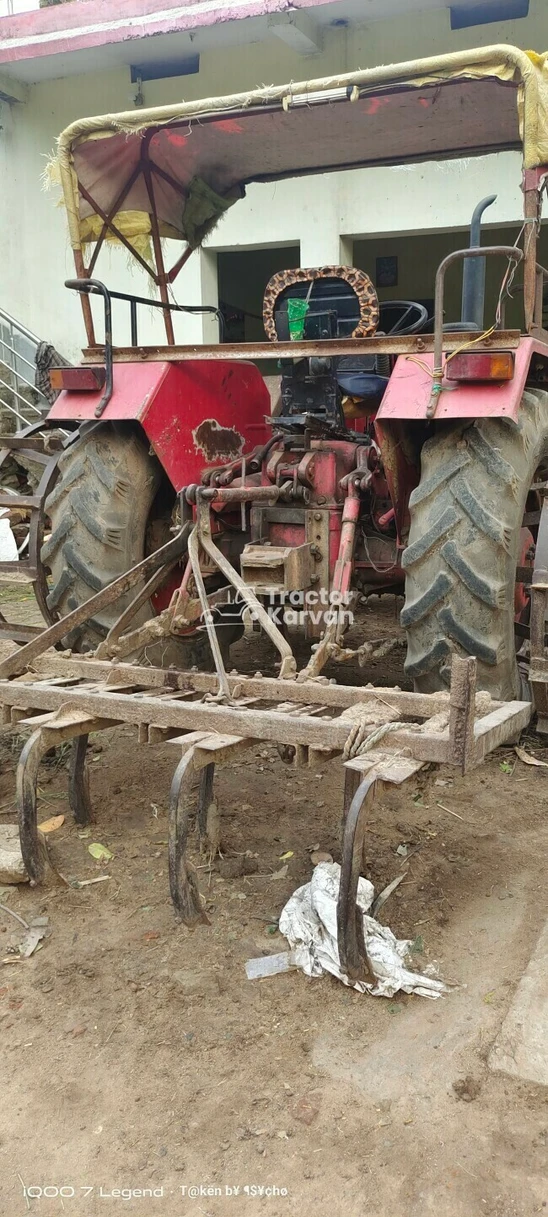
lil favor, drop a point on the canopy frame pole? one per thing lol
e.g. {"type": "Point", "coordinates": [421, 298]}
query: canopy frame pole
{"type": "Point", "coordinates": [171, 181]}
{"type": "Point", "coordinates": [178, 265]}
{"type": "Point", "coordinates": [161, 279]}
{"type": "Point", "coordinates": [131, 249]}
{"type": "Point", "coordinates": [82, 273]}
{"type": "Point", "coordinates": [111, 214]}
{"type": "Point", "coordinates": [532, 185]}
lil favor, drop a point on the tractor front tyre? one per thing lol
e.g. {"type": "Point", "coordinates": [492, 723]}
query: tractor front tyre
{"type": "Point", "coordinates": [465, 542]}
{"type": "Point", "coordinates": [101, 510]}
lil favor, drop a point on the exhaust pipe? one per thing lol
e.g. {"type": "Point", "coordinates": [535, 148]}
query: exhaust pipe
{"type": "Point", "coordinates": [473, 276]}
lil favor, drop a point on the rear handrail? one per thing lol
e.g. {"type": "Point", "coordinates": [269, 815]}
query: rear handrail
{"type": "Point", "coordinates": [95, 287]}
{"type": "Point", "coordinates": [512, 252]}
{"type": "Point", "coordinates": [79, 285]}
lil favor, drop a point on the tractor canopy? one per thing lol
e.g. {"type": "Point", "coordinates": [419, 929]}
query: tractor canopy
{"type": "Point", "coordinates": [173, 171]}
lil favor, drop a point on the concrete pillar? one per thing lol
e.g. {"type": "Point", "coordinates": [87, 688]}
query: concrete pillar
{"type": "Point", "coordinates": [197, 284]}
{"type": "Point", "coordinates": [321, 242]}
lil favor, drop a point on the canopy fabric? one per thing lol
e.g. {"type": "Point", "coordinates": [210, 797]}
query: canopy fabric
{"type": "Point", "coordinates": [463, 104]}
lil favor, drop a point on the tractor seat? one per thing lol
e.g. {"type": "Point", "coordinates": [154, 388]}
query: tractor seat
{"type": "Point", "coordinates": [357, 376]}
{"type": "Point", "coordinates": [363, 384]}
{"type": "Point", "coordinates": [336, 302]}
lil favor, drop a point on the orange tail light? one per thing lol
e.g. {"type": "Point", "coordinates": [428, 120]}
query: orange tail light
{"type": "Point", "coordinates": [481, 365]}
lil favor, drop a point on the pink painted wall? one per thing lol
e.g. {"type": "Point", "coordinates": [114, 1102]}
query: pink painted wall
{"type": "Point", "coordinates": [28, 35]}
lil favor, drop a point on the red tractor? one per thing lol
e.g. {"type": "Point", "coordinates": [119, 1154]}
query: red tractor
{"type": "Point", "coordinates": [396, 460]}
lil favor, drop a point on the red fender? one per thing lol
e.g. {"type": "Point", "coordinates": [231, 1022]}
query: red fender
{"type": "Point", "coordinates": [195, 413]}
{"type": "Point", "coordinates": [409, 388]}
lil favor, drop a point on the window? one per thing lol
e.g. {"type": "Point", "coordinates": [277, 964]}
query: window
{"type": "Point", "coordinates": [465, 15]}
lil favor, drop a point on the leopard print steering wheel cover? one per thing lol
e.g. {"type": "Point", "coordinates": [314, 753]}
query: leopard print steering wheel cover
{"type": "Point", "coordinates": [357, 279]}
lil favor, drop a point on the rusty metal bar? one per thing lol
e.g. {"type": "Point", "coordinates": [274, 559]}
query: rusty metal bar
{"type": "Point", "coordinates": [196, 539]}
{"type": "Point", "coordinates": [82, 273]}
{"type": "Point", "coordinates": [19, 660]}
{"type": "Point", "coordinates": [203, 532]}
{"type": "Point", "coordinates": [113, 211]}
{"type": "Point", "coordinates": [182, 878]}
{"type": "Point", "coordinates": [103, 214]}
{"type": "Point", "coordinates": [78, 786]}
{"type": "Point", "coordinates": [178, 265]}
{"type": "Point", "coordinates": [270, 723]}
{"type": "Point", "coordinates": [326, 348]}
{"type": "Point", "coordinates": [531, 212]}
{"type": "Point", "coordinates": [156, 242]}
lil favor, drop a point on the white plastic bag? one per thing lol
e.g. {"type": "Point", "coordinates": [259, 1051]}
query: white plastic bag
{"type": "Point", "coordinates": [309, 922]}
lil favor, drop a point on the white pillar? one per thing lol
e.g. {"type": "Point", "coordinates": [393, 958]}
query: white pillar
{"type": "Point", "coordinates": [197, 284]}
{"type": "Point", "coordinates": [321, 241]}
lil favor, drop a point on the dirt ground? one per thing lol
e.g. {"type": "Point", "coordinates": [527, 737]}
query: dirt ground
{"type": "Point", "coordinates": [136, 1055]}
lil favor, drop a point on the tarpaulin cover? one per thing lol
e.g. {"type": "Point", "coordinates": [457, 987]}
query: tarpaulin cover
{"type": "Point", "coordinates": [463, 104]}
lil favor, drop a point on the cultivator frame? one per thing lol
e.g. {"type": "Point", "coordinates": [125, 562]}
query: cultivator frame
{"type": "Point", "coordinates": [212, 717]}
{"type": "Point", "coordinates": [65, 697]}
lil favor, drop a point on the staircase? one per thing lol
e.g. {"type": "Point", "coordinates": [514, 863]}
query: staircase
{"type": "Point", "coordinates": [21, 402]}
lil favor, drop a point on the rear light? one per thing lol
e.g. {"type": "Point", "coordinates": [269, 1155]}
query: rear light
{"type": "Point", "coordinates": [480, 365]}
{"type": "Point", "coordinates": [79, 380]}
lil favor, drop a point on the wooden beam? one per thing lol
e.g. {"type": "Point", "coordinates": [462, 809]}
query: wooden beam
{"type": "Point", "coordinates": [142, 708]}
{"type": "Point", "coordinates": [266, 688]}
{"type": "Point", "coordinates": [267, 724]}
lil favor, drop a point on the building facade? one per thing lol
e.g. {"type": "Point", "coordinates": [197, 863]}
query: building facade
{"type": "Point", "coordinates": [93, 56]}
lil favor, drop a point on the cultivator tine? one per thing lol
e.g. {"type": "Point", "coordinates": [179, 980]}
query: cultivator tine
{"type": "Point", "coordinates": [26, 795]}
{"type": "Point", "coordinates": [182, 879]}
{"type": "Point", "coordinates": [205, 797]}
{"type": "Point", "coordinates": [79, 796]}
{"type": "Point", "coordinates": [53, 730]}
{"type": "Point", "coordinates": [352, 952]}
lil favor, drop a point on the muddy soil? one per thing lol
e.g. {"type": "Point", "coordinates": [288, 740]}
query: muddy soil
{"type": "Point", "coordinates": [136, 1055]}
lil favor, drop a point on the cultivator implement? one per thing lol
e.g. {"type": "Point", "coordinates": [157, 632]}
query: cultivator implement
{"type": "Point", "coordinates": [380, 735]}
{"type": "Point", "coordinates": [186, 510]}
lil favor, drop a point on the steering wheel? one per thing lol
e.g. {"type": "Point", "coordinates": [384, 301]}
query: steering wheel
{"type": "Point", "coordinates": [408, 307]}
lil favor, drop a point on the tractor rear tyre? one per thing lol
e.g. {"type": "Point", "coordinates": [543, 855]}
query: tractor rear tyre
{"type": "Point", "coordinates": [101, 511]}
{"type": "Point", "coordinates": [465, 542]}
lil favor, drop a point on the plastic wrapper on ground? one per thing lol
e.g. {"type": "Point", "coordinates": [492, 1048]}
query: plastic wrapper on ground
{"type": "Point", "coordinates": [309, 922]}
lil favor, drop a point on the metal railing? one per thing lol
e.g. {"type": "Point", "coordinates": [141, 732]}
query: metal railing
{"type": "Point", "coordinates": [18, 393]}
